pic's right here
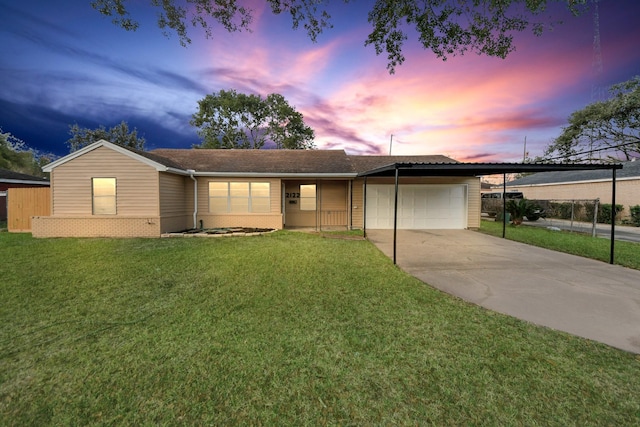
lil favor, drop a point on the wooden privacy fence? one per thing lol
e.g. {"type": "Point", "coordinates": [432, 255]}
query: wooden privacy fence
{"type": "Point", "coordinates": [23, 203]}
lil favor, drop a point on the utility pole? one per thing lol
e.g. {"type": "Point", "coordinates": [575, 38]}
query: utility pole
{"type": "Point", "coordinates": [524, 154]}
{"type": "Point", "coordinates": [390, 144]}
{"type": "Point", "coordinates": [597, 91]}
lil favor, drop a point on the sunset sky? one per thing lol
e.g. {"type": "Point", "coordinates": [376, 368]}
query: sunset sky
{"type": "Point", "coordinates": [63, 63]}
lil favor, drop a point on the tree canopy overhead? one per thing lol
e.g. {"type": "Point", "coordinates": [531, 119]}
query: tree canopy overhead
{"type": "Point", "coordinates": [16, 156]}
{"type": "Point", "coordinates": [119, 134]}
{"type": "Point", "coordinates": [446, 27]}
{"type": "Point", "coordinates": [608, 130]}
{"type": "Point", "coordinates": [228, 119]}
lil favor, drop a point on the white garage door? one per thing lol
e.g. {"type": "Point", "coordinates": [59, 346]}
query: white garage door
{"type": "Point", "coordinates": [419, 206]}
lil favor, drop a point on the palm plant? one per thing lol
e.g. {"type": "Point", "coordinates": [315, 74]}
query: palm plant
{"type": "Point", "coordinates": [518, 209]}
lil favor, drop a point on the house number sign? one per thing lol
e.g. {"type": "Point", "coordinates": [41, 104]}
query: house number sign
{"type": "Point", "coordinates": [291, 195]}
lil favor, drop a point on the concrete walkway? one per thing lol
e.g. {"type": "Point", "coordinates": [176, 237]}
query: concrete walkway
{"type": "Point", "coordinates": [584, 297]}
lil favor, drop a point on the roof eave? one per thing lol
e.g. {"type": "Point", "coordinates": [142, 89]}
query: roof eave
{"type": "Point", "coordinates": [274, 175]}
{"type": "Point", "coordinates": [24, 181]}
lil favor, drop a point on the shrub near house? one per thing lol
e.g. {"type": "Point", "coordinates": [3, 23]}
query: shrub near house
{"type": "Point", "coordinates": [635, 215]}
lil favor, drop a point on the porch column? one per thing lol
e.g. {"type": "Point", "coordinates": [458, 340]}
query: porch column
{"type": "Point", "coordinates": [364, 209]}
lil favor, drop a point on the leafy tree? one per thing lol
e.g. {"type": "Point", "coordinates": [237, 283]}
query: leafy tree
{"type": "Point", "coordinates": [607, 126]}
{"type": "Point", "coordinates": [119, 134]}
{"type": "Point", "coordinates": [446, 27]}
{"type": "Point", "coordinates": [286, 126]}
{"type": "Point", "coordinates": [16, 156]}
{"type": "Point", "coordinates": [228, 119]}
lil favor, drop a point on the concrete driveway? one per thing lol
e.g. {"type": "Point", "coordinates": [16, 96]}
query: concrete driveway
{"type": "Point", "coordinates": [587, 298]}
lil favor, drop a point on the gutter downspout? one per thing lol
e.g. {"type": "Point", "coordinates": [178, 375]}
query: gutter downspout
{"type": "Point", "coordinates": [195, 198]}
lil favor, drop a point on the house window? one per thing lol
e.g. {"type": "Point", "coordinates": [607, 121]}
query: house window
{"type": "Point", "coordinates": [308, 197]}
{"type": "Point", "coordinates": [104, 196]}
{"type": "Point", "coordinates": [239, 197]}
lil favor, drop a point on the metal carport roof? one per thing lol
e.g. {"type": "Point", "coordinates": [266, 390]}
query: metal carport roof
{"type": "Point", "coordinates": [479, 169]}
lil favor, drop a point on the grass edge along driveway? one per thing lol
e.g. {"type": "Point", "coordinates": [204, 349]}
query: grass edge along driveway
{"type": "Point", "coordinates": [627, 254]}
{"type": "Point", "coordinates": [286, 329]}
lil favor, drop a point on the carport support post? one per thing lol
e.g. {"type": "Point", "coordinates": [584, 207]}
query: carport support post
{"type": "Point", "coordinates": [395, 218]}
{"type": "Point", "coordinates": [504, 204]}
{"type": "Point", "coordinates": [613, 214]}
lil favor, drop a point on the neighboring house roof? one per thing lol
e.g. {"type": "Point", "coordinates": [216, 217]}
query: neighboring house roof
{"type": "Point", "coordinates": [12, 177]}
{"type": "Point", "coordinates": [630, 170]}
{"type": "Point", "coordinates": [263, 162]}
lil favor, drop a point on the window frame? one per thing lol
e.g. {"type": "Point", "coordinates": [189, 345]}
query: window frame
{"type": "Point", "coordinates": [232, 201]}
{"type": "Point", "coordinates": [112, 208]}
{"type": "Point", "coordinates": [305, 201]}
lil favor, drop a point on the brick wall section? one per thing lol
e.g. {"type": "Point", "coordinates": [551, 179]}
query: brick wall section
{"type": "Point", "coordinates": [90, 226]}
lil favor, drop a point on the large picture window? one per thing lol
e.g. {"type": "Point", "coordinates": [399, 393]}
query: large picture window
{"type": "Point", "coordinates": [103, 192]}
{"type": "Point", "coordinates": [239, 197]}
{"type": "Point", "coordinates": [308, 197]}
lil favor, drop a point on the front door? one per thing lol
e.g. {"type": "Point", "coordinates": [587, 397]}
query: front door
{"type": "Point", "coordinates": [300, 204]}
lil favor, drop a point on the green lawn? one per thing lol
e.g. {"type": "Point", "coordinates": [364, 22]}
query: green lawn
{"type": "Point", "coordinates": [281, 329]}
{"type": "Point", "coordinates": [626, 253]}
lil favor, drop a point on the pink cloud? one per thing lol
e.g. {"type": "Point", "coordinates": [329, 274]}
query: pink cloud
{"type": "Point", "coordinates": [468, 107]}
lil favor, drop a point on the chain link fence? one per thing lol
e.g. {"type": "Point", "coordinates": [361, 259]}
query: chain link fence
{"type": "Point", "coordinates": [578, 214]}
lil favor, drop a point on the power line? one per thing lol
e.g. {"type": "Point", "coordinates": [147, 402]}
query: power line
{"type": "Point", "coordinates": [593, 150]}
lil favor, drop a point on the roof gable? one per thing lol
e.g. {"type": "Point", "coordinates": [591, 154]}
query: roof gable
{"type": "Point", "coordinates": [157, 162]}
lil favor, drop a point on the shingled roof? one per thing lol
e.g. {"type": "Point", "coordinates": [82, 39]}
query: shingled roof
{"type": "Point", "coordinates": [367, 163]}
{"type": "Point", "coordinates": [284, 161]}
{"type": "Point", "coordinates": [260, 161]}
{"type": "Point", "coordinates": [629, 170]}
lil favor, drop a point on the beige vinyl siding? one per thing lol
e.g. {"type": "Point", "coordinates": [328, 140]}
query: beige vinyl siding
{"type": "Point", "coordinates": [136, 184]}
{"type": "Point", "coordinates": [333, 203]}
{"type": "Point", "coordinates": [357, 204]}
{"type": "Point", "coordinates": [627, 192]}
{"type": "Point", "coordinates": [473, 195]}
{"type": "Point", "coordinates": [176, 214]}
